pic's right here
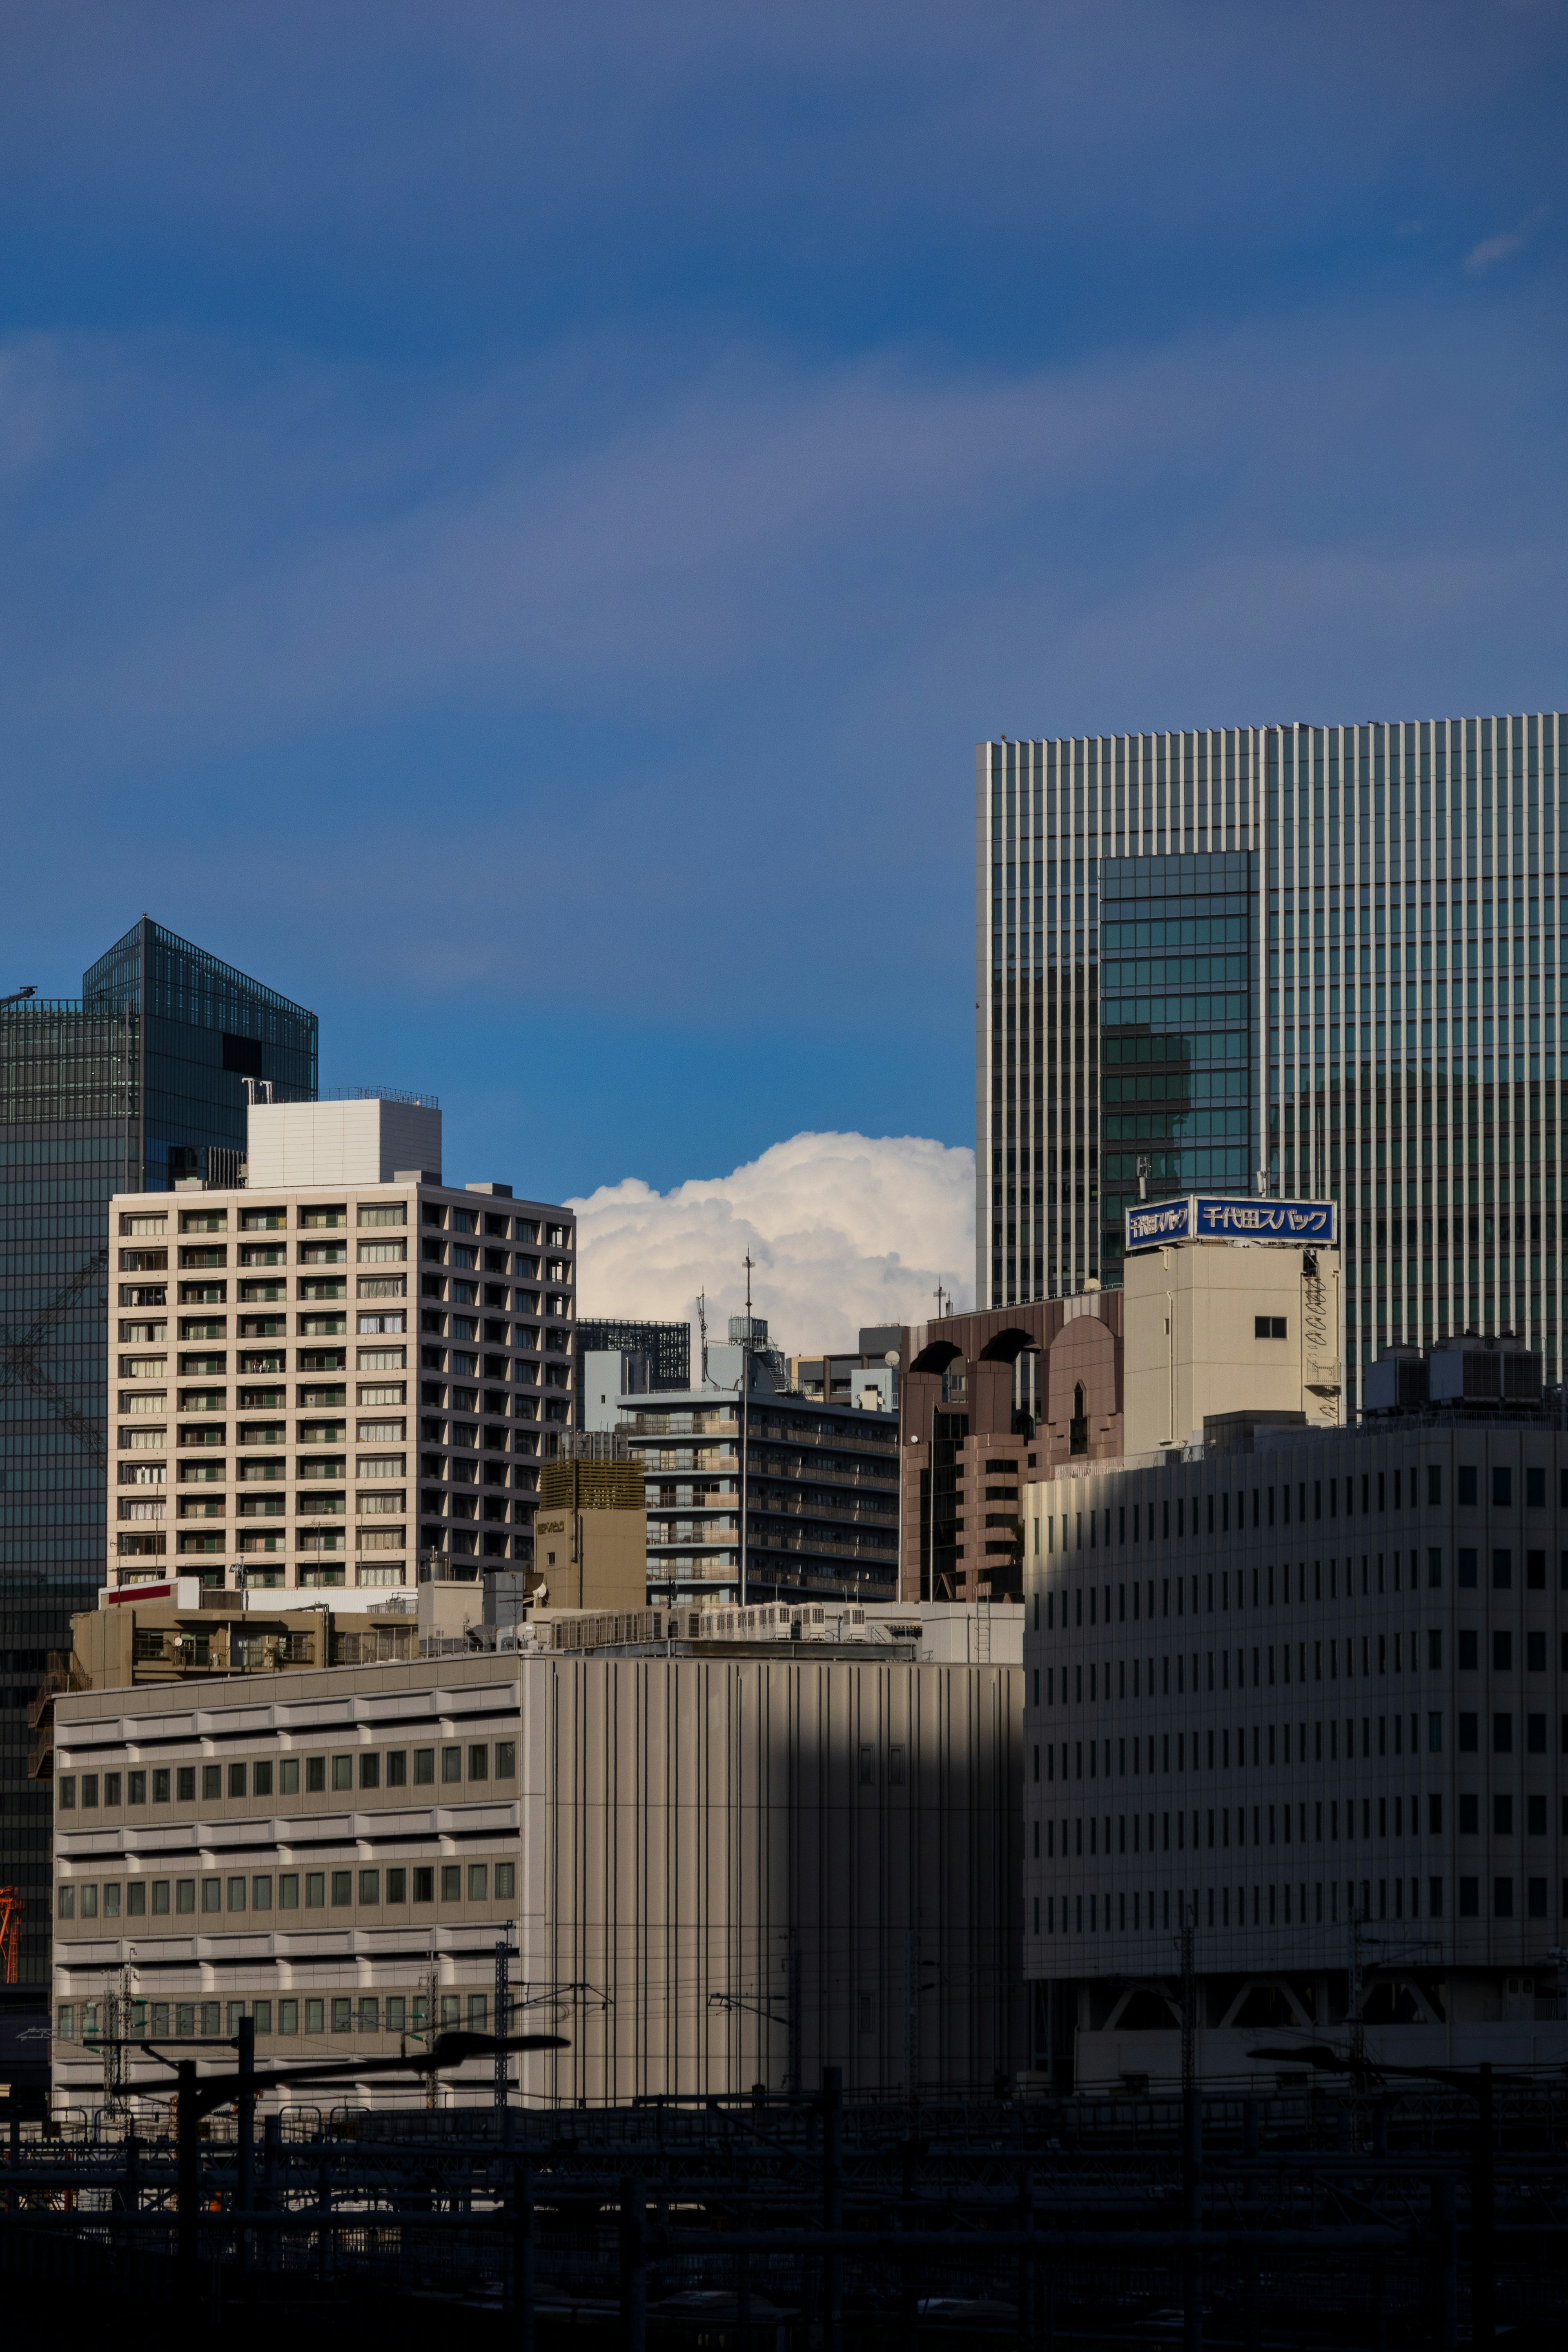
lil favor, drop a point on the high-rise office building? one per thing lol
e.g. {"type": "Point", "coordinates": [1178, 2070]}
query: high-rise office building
{"type": "Point", "coordinates": [1302, 960]}
{"type": "Point", "coordinates": [138, 1083]}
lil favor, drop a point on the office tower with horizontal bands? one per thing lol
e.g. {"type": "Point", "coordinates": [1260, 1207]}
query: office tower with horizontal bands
{"type": "Point", "coordinates": [136, 1083]}
{"type": "Point", "coordinates": [1316, 960]}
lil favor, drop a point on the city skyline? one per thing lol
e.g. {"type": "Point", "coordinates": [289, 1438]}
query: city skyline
{"type": "Point", "coordinates": [385, 482]}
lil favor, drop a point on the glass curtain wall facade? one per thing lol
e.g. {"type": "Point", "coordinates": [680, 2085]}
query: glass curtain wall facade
{"type": "Point", "coordinates": [1406, 935]}
{"type": "Point", "coordinates": [133, 1084]}
{"type": "Point", "coordinates": [1178, 1053]}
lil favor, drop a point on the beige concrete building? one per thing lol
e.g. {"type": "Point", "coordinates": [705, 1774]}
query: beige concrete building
{"type": "Point", "coordinates": [337, 1370]}
{"type": "Point", "coordinates": [712, 1871]}
{"type": "Point", "coordinates": [590, 1530]}
{"type": "Point", "coordinates": [1218, 1326]}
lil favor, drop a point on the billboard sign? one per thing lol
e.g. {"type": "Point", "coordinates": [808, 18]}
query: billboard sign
{"type": "Point", "coordinates": [1202, 1217]}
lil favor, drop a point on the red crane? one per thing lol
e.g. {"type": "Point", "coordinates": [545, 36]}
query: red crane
{"type": "Point", "coordinates": [11, 1909]}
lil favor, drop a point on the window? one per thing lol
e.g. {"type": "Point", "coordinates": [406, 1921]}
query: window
{"type": "Point", "coordinates": [397, 1886]}
{"type": "Point", "coordinates": [423, 1885]}
{"type": "Point", "coordinates": [1535, 1653]}
{"type": "Point", "coordinates": [479, 1882]}
{"type": "Point", "coordinates": [342, 1771]}
{"type": "Point", "coordinates": [66, 1904]}
{"type": "Point", "coordinates": [212, 1784]}
{"type": "Point", "coordinates": [1468, 1564]}
{"type": "Point", "coordinates": [451, 1882]}
{"type": "Point", "coordinates": [1502, 1653]}
{"type": "Point", "coordinates": [1470, 1652]}
{"type": "Point", "coordinates": [64, 1795]}
{"type": "Point", "coordinates": [479, 1763]}
{"type": "Point", "coordinates": [1502, 1735]}
{"type": "Point", "coordinates": [370, 1886]}
{"type": "Point", "coordinates": [315, 2017]}
{"type": "Point", "coordinates": [369, 1770]}
{"type": "Point", "coordinates": [343, 2013]}
{"type": "Point", "coordinates": [867, 1766]}
{"type": "Point", "coordinates": [315, 1774]}
{"type": "Point", "coordinates": [1469, 1734]}
{"type": "Point", "coordinates": [397, 1767]}
{"type": "Point", "coordinates": [1535, 1490]}
{"type": "Point", "coordinates": [1434, 1483]}
{"type": "Point", "coordinates": [1535, 1816]}
{"type": "Point", "coordinates": [136, 1898]}
{"type": "Point", "coordinates": [1268, 1327]}
{"type": "Point", "coordinates": [505, 1881]}
{"type": "Point", "coordinates": [315, 1890]}
{"type": "Point", "coordinates": [1470, 1899]}
{"type": "Point", "coordinates": [237, 1780]}
{"type": "Point", "coordinates": [1535, 1735]}
{"type": "Point", "coordinates": [1502, 1817]}
{"type": "Point", "coordinates": [1502, 1571]}
{"type": "Point", "coordinates": [185, 1894]}
{"type": "Point", "coordinates": [506, 1759]}
{"type": "Point", "coordinates": [451, 1763]}
{"type": "Point", "coordinates": [288, 1775]}
{"type": "Point", "coordinates": [1502, 1898]}
{"type": "Point", "coordinates": [1502, 1494]}
{"type": "Point", "coordinates": [161, 1785]}
{"type": "Point", "coordinates": [1469, 1492]}
{"type": "Point", "coordinates": [343, 1888]}
{"type": "Point", "coordinates": [261, 1895]}
{"type": "Point", "coordinates": [212, 1894]}
{"type": "Point", "coordinates": [136, 1788]}
{"type": "Point", "coordinates": [160, 1897]}
{"type": "Point", "coordinates": [424, 1767]}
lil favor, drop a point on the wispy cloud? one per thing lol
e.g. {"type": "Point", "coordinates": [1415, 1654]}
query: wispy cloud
{"type": "Point", "coordinates": [1493, 249]}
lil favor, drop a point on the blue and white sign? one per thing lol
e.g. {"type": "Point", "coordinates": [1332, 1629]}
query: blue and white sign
{"type": "Point", "coordinates": [1162, 1221]}
{"type": "Point", "coordinates": [1200, 1216]}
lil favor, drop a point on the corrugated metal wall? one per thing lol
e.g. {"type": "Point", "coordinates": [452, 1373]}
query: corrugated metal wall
{"type": "Point", "coordinates": [748, 1870]}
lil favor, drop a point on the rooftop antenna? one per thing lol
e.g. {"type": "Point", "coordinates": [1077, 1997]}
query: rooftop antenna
{"type": "Point", "coordinates": [940, 1295]}
{"type": "Point", "coordinates": [703, 1335]}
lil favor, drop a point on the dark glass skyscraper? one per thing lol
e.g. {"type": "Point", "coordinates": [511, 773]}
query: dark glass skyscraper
{"type": "Point", "coordinates": [139, 1083]}
{"type": "Point", "coordinates": [1362, 929]}
{"type": "Point", "coordinates": [1178, 1031]}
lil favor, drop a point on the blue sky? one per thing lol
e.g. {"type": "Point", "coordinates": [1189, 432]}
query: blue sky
{"type": "Point", "coordinates": [512, 519]}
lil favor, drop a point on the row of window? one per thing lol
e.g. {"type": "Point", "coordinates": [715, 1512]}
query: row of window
{"type": "Point", "coordinates": [1190, 1513]}
{"type": "Point", "coordinates": [1380, 1574]}
{"type": "Point", "coordinates": [328, 1217]}
{"type": "Point", "coordinates": [1146, 1748]}
{"type": "Point", "coordinates": [364, 2013]}
{"type": "Point", "coordinates": [287, 1775]}
{"type": "Point", "coordinates": [1273, 1824]}
{"type": "Point", "coordinates": [1272, 1906]}
{"type": "Point", "coordinates": [321, 1890]}
{"type": "Point", "coordinates": [1270, 1663]}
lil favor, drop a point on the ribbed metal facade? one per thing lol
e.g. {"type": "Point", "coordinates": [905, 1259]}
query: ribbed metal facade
{"type": "Point", "coordinates": [1403, 959]}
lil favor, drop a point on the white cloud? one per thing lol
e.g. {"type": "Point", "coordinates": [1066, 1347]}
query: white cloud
{"type": "Point", "coordinates": [844, 1230]}
{"type": "Point", "coordinates": [1493, 249]}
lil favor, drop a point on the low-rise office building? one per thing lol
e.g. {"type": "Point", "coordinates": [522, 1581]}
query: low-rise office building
{"type": "Point", "coordinates": [338, 1370]}
{"type": "Point", "coordinates": [1307, 1690]}
{"type": "Point", "coordinates": [712, 1870]}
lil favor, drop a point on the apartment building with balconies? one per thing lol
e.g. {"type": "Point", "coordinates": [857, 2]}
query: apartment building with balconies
{"type": "Point", "coordinates": [339, 1371]}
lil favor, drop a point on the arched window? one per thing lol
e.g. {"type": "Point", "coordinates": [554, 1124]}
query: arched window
{"type": "Point", "coordinates": [1078, 1434]}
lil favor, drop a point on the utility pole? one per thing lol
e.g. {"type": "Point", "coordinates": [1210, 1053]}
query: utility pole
{"type": "Point", "coordinates": [504, 2013]}
{"type": "Point", "coordinates": [431, 1998]}
{"type": "Point", "coordinates": [1189, 2003]}
{"type": "Point", "coordinates": [1356, 2022]}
